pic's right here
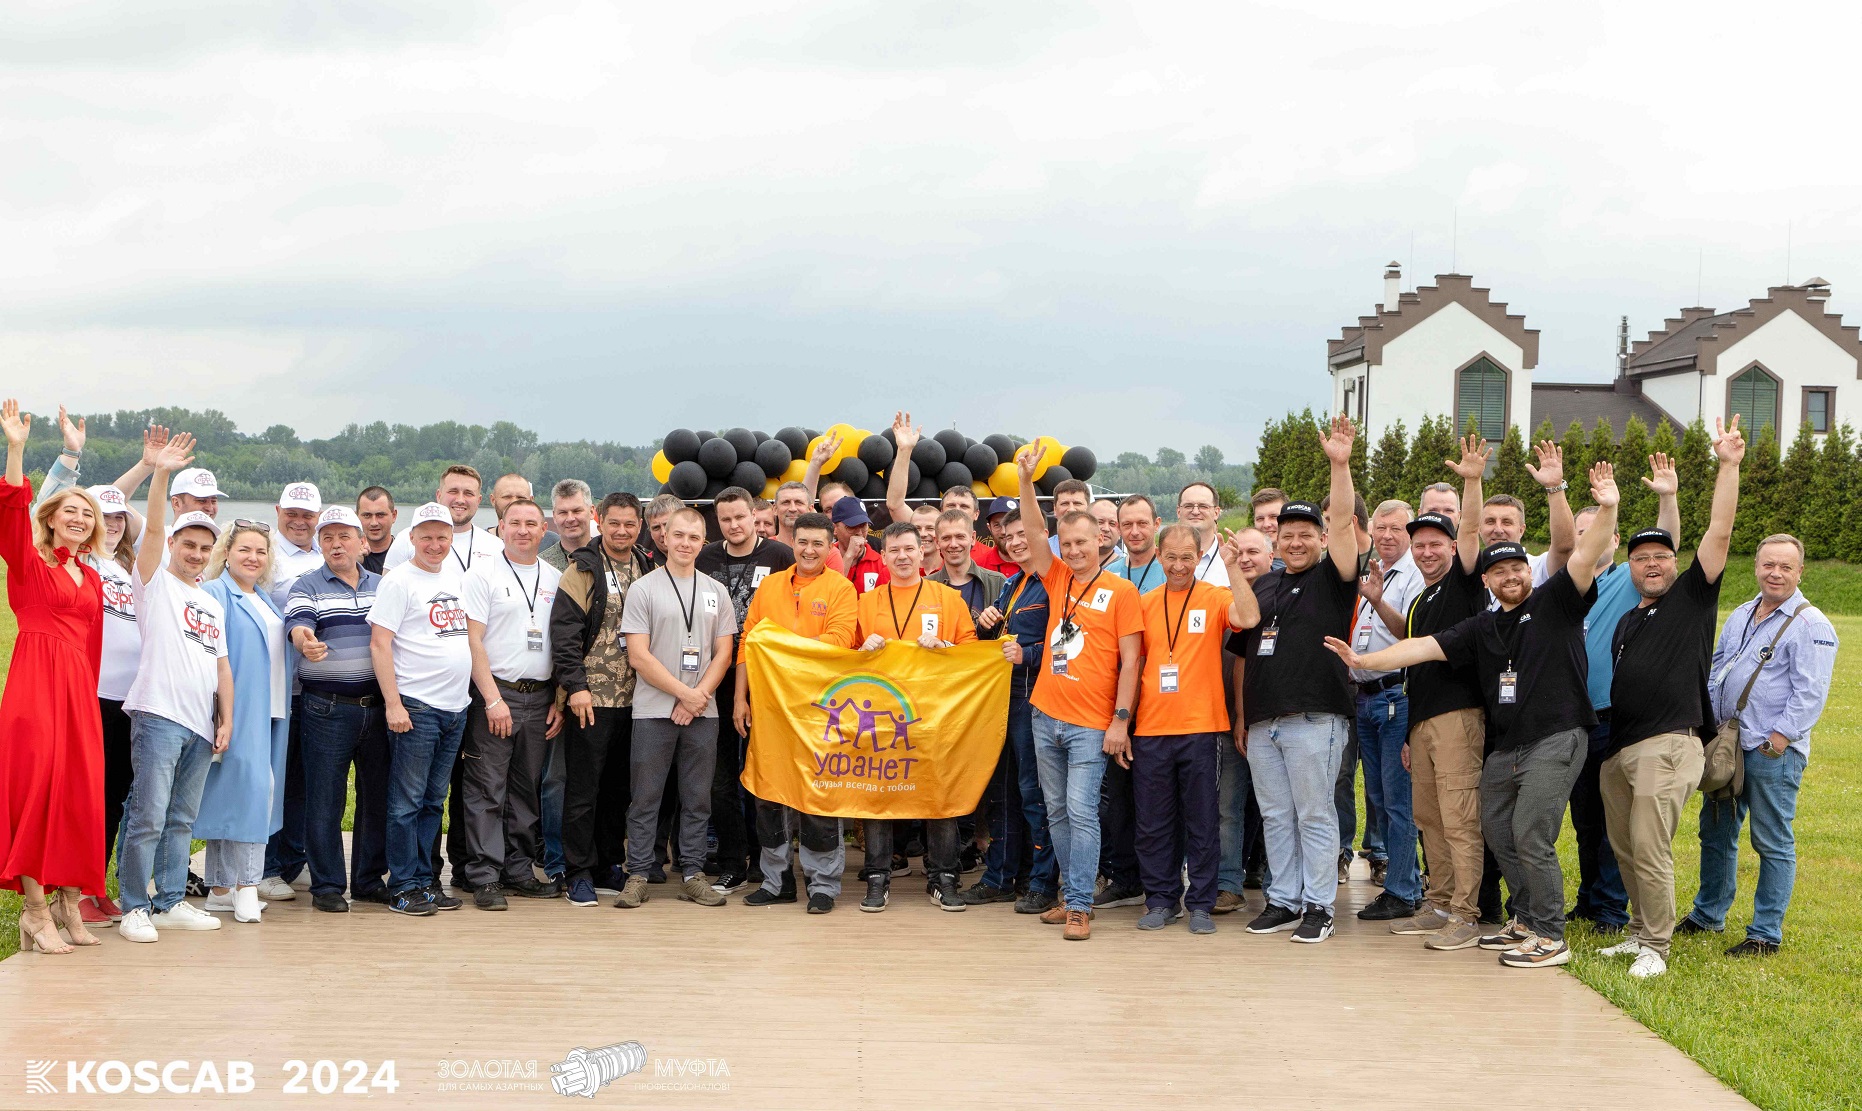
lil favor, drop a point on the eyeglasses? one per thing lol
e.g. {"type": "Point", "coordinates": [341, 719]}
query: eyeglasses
{"type": "Point", "coordinates": [260, 526]}
{"type": "Point", "coordinates": [1182, 505]}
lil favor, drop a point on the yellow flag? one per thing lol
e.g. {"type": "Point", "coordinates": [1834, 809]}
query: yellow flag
{"type": "Point", "coordinates": [903, 732]}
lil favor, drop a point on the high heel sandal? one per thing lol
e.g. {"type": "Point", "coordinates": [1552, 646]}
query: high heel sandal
{"type": "Point", "coordinates": [37, 930]}
{"type": "Point", "coordinates": [67, 912]}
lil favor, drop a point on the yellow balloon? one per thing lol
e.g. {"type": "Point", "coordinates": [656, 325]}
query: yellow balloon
{"type": "Point", "coordinates": [770, 488]}
{"type": "Point", "coordinates": [980, 489]}
{"type": "Point", "coordinates": [662, 467]}
{"type": "Point", "coordinates": [1003, 481]}
{"type": "Point", "coordinates": [810, 453]}
{"type": "Point", "coordinates": [798, 469]}
{"type": "Point", "coordinates": [849, 444]}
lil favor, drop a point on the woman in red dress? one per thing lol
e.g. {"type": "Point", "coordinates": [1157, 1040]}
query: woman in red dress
{"type": "Point", "coordinates": [51, 731]}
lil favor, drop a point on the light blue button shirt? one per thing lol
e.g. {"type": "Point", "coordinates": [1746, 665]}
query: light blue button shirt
{"type": "Point", "coordinates": [1792, 686]}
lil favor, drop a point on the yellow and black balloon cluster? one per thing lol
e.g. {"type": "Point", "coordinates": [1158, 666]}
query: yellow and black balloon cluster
{"type": "Point", "coordinates": [697, 466]}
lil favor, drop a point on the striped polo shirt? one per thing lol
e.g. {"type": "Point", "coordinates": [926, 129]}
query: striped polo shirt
{"type": "Point", "coordinates": [338, 616]}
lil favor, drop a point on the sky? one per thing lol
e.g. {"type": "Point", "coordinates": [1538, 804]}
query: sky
{"type": "Point", "coordinates": [1123, 225]}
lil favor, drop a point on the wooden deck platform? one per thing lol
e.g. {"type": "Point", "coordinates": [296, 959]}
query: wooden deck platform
{"type": "Point", "coordinates": [767, 1008]}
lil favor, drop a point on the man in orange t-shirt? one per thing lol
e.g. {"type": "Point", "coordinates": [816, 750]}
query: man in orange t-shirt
{"type": "Point", "coordinates": [811, 601]}
{"type": "Point", "coordinates": [1182, 721]}
{"type": "Point", "coordinates": [1083, 699]}
{"type": "Point", "coordinates": [931, 615]}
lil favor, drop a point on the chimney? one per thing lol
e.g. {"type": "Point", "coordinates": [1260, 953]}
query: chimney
{"type": "Point", "coordinates": [1816, 289]}
{"type": "Point", "coordinates": [1622, 383]}
{"type": "Point", "coordinates": [1393, 286]}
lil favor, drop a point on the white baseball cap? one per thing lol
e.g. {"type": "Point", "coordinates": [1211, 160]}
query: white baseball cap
{"type": "Point", "coordinates": [110, 499]}
{"type": "Point", "coordinates": [338, 515]}
{"type": "Point", "coordinates": [196, 519]}
{"type": "Point", "coordinates": [301, 495]}
{"type": "Point", "coordinates": [432, 511]}
{"type": "Point", "coordinates": [197, 481]}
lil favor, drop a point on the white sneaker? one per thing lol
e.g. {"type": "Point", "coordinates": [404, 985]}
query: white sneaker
{"type": "Point", "coordinates": [1649, 964]}
{"type": "Point", "coordinates": [276, 890]}
{"type": "Point", "coordinates": [1627, 948]}
{"type": "Point", "coordinates": [246, 905]}
{"type": "Point", "coordinates": [184, 916]}
{"type": "Point", "coordinates": [219, 904]}
{"type": "Point", "coordinates": [135, 926]}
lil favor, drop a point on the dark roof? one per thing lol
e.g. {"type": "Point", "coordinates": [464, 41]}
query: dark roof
{"type": "Point", "coordinates": [1676, 346]}
{"type": "Point", "coordinates": [1366, 339]}
{"type": "Point", "coordinates": [1694, 340]}
{"type": "Point", "coordinates": [1584, 402]}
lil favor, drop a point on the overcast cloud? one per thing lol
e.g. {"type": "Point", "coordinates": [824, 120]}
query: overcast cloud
{"type": "Point", "coordinates": [1122, 225]}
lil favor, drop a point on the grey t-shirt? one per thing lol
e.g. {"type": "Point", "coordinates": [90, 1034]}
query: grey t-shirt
{"type": "Point", "coordinates": [657, 605]}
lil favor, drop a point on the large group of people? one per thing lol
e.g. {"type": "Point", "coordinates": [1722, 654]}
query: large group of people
{"type": "Point", "coordinates": [568, 696]}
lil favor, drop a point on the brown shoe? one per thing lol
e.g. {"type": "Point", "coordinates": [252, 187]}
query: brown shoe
{"type": "Point", "coordinates": [698, 889]}
{"type": "Point", "coordinates": [1055, 915]}
{"type": "Point", "coordinates": [1228, 902]}
{"type": "Point", "coordinates": [1079, 925]}
{"type": "Point", "coordinates": [633, 893]}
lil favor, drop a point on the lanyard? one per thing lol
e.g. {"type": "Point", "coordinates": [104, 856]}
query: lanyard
{"type": "Point", "coordinates": [688, 613]}
{"type": "Point", "coordinates": [608, 566]}
{"type": "Point", "coordinates": [893, 605]}
{"type": "Point", "coordinates": [536, 584]}
{"type": "Point", "coordinates": [1072, 605]}
{"type": "Point", "coordinates": [1208, 561]}
{"type": "Point", "coordinates": [466, 563]}
{"type": "Point", "coordinates": [1365, 603]}
{"type": "Point", "coordinates": [1144, 574]}
{"type": "Point", "coordinates": [1171, 632]}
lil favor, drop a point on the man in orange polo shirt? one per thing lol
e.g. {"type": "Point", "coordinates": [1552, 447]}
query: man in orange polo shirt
{"type": "Point", "coordinates": [931, 615]}
{"type": "Point", "coordinates": [809, 600]}
{"type": "Point", "coordinates": [1182, 721]}
{"type": "Point", "coordinates": [1083, 699]}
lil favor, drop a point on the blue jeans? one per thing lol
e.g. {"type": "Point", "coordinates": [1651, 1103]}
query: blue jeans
{"type": "Point", "coordinates": [1030, 820]}
{"type": "Point", "coordinates": [1073, 762]}
{"type": "Point", "coordinates": [420, 770]}
{"type": "Point", "coordinates": [1295, 762]}
{"type": "Point", "coordinates": [1343, 787]}
{"type": "Point", "coordinates": [332, 735]}
{"type": "Point", "coordinates": [1234, 786]}
{"type": "Point", "coordinates": [549, 801]}
{"type": "Point", "coordinates": [1383, 729]}
{"type": "Point", "coordinates": [1770, 799]}
{"type": "Point", "coordinates": [285, 853]}
{"type": "Point", "coordinates": [170, 763]}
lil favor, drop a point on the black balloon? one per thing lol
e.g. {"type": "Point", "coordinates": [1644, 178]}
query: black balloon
{"type": "Point", "coordinates": [795, 439]}
{"type": "Point", "coordinates": [743, 440]}
{"type": "Point", "coordinates": [952, 441]}
{"type": "Point", "coordinates": [812, 432]}
{"type": "Point", "coordinates": [773, 456]}
{"type": "Point", "coordinates": [852, 472]}
{"type": "Point", "coordinates": [876, 452]}
{"type": "Point", "coordinates": [982, 460]}
{"type": "Point", "coordinates": [1002, 446]}
{"type": "Point", "coordinates": [913, 476]}
{"type": "Point", "coordinates": [874, 490]}
{"type": "Point", "coordinates": [1079, 462]}
{"type": "Point", "coordinates": [713, 488]}
{"type": "Point", "coordinates": [929, 455]}
{"type": "Point", "coordinates": [760, 436]}
{"type": "Point", "coordinates": [680, 445]}
{"type": "Point", "coordinates": [664, 488]}
{"type": "Point", "coordinates": [687, 479]}
{"type": "Point", "coordinates": [953, 474]}
{"type": "Point", "coordinates": [749, 476]}
{"type": "Point", "coordinates": [1054, 476]}
{"type": "Point", "coordinates": [718, 457]}
{"type": "Point", "coordinates": [704, 435]}
{"type": "Point", "coordinates": [926, 490]}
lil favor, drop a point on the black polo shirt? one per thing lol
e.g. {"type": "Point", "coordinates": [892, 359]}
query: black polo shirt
{"type": "Point", "coordinates": [1301, 675]}
{"type": "Point", "coordinates": [1541, 641]}
{"type": "Point", "coordinates": [741, 575]}
{"type": "Point", "coordinates": [1663, 651]}
{"type": "Point", "coordinates": [1437, 688]}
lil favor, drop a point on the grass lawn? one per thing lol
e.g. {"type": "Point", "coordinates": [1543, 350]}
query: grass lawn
{"type": "Point", "coordinates": [1782, 1031]}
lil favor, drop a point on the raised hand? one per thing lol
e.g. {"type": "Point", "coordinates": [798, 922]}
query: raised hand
{"type": "Point", "coordinates": [1371, 584]}
{"type": "Point", "coordinates": [1343, 651]}
{"type": "Point", "coordinates": [1603, 485]}
{"type": "Point", "coordinates": [1551, 468]}
{"type": "Point", "coordinates": [1729, 444]}
{"type": "Point", "coordinates": [1661, 477]}
{"type": "Point", "coordinates": [825, 450]}
{"type": "Point", "coordinates": [1338, 441]}
{"type": "Point", "coordinates": [18, 425]}
{"type": "Point", "coordinates": [73, 433]}
{"type": "Point", "coordinates": [1026, 460]}
{"type": "Point", "coordinates": [177, 453]}
{"type": "Point", "coordinates": [153, 438]}
{"type": "Point", "coordinates": [904, 434]}
{"type": "Point", "coordinates": [1474, 453]}
{"type": "Point", "coordinates": [1231, 548]}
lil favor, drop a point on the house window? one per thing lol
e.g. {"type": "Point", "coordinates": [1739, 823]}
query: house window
{"type": "Point", "coordinates": [1481, 394]}
{"type": "Point", "coordinates": [1819, 403]}
{"type": "Point", "coordinates": [1753, 395]}
{"type": "Point", "coordinates": [1351, 390]}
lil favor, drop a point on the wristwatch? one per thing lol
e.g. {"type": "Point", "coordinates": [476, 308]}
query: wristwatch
{"type": "Point", "coordinates": [1122, 714]}
{"type": "Point", "coordinates": [1558, 489]}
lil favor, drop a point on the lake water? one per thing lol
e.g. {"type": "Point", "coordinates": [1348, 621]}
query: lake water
{"type": "Point", "coordinates": [262, 511]}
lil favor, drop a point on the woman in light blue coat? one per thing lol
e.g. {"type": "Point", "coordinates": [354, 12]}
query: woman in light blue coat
{"type": "Point", "coordinates": [243, 802]}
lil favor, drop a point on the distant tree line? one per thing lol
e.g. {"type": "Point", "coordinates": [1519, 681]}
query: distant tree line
{"type": "Point", "coordinates": [1813, 492]}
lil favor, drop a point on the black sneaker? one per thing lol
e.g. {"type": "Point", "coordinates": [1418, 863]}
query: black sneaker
{"type": "Point", "coordinates": [534, 889]}
{"type": "Point", "coordinates": [1273, 920]}
{"type": "Point", "coordinates": [876, 889]}
{"type": "Point", "coordinates": [463, 886]}
{"type": "Point", "coordinates": [582, 893]}
{"type": "Point", "coordinates": [970, 861]}
{"type": "Point", "coordinates": [196, 887]}
{"type": "Point", "coordinates": [417, 902]}
{"type": "Point", "coordinates": [1315, 926]}
{"type": "Point", "coordinates": [1753, 947]}
{"type": "Point", "coordinates": [378, 895]}
{"type": "Point", "coordinates": [943, 892]}
{"type": "Point", "coordinates": [1253, 880]}
{"type": "Point", "coordinates": [901, 864]}
{"type": "Point", "coordinates": [1387, 908]}
{"type": "Point", "coordinates": [441, 900]}
{"type": "Point", "coordinates": [489, 897]}
{"type": "Point", "coordinates": [1690, 927]}
{"type": "Point", "coordinates": [330, 901]}
{"type": "Point", "coordinates": [979, 893]}
{"type": "Point", "coordinates": [762, 897]}
{"type": "Point", "coordinates": [1118, 895]}
{"type": "Point", "coordinates": [820, 903]}
{"type": "Point", "coordinates": [730, 881]}
{"type": "Point", "coordinates": [1036, 902]}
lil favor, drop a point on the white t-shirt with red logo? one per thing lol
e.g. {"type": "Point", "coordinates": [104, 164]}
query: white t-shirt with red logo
{"type": "Point", "coordinates": [432, 656]}
{"type": "Point", "coordinates": [183, 641]}
{"type": "Point", "coordinates": [122, 640]}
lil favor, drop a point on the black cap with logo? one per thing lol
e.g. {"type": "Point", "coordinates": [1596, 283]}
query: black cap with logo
{"type": "Point", "coordinates": [1652, 536]}
{"type": "Point", "coordinates": [1301, 511]}
{"type": "Point", "coordinates": [1434, 521]}
{"type": "Point", "coordinates": [1499, 553]}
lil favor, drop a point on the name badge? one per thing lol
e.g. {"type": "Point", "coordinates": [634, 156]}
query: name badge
{"type": "Point", "coordinates": [688, 660]}
{"type": "Point", "coordinates": [1102, 598]}
{"type": "Point", "coordinates": [1509, 687]}
{"type": "Point", "coordinates": [614, 583]}
{"type": "Point", "coordinates": [1057, 662]}
{"type": "Point", "coordinates": [533, 639]}
{"type": "Point", "coordinates": [927, 624]}
{"type": "Point", "coordinates": [757, 576]}
{"type": "Point", "coordinates": [711, 603]}
{"type": "Point", "coordinates": [1199, 620]}
{"type": "Point", "coordinates": [1268, 636]}
{"type": "Point", "coordinates": [1167, 679]}
{"type": "Point", "coordinates": [872, 579]}
{"type": "Point", "coordinates": [1364, 640]}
